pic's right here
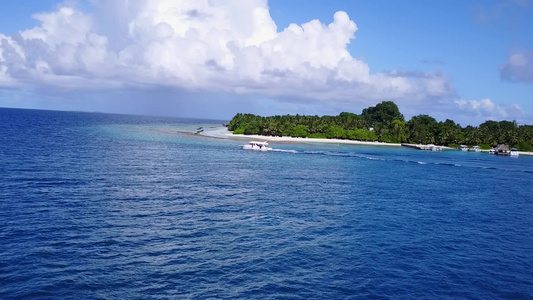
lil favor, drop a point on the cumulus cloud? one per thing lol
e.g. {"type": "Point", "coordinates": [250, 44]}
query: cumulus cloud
{"type": "Point", "coordinates": [223, 45]}
{"type": "Point", "coordinates": [229, 47]}
{"type": "Point", "coordinates": [519, 66]}
{"type": "Point", "coordinates": [487, 109]}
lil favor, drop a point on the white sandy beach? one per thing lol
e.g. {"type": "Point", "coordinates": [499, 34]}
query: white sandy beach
{"type": "Point", "coordinates": [222, 132]}
{"type": "Point", "coordinates": [288, 139]}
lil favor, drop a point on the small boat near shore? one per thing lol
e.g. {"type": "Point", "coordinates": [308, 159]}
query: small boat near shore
{"type": "Point", "coordinates": [432, 147]}
{"type": "Point", "coordinates": [257, 146]}
{"type": "Point", "coordinates": [475, 149]}
{"type": "Point", "coordinates": [514, 152]}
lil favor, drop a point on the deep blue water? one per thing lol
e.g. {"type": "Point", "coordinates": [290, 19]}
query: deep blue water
{"type": "Point", "coordinates": [100, 206]}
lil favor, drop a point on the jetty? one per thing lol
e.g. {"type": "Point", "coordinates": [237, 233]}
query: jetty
{"type": "Point", "coordinates": [429, 147]}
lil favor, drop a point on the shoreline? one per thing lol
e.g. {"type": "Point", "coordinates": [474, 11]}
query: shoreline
{"type": "Point", "coordinates": [222, 132]}
{"type": "Point", "coordinates": [287, 139]}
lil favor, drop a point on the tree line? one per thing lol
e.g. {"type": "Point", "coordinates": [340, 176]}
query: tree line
{"type": "Point", "coordinates": [385, 123]}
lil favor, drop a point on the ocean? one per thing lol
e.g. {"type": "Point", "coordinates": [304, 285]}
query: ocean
{"type": "Point", "coordinates": [103, 206]}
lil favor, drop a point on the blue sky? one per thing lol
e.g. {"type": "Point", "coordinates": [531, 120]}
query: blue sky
{"type": "Point", "coordinates": [442, 35]}
{"type": "Point", "coordinates": [465, 60]}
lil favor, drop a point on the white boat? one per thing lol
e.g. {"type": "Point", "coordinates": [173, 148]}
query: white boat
{"type": "Point", "coordinates": [464, 148]}
{"type": "Point", "coordinates": [475, 149]}
{"type": "Point", "coordinates": [514, 152]}
{"type": "Point", "coordinates": [432, 147]}
{"type": "Point", "coordinates": [492, 151]}
{"type": "Point", "coordinates": [258, 146]}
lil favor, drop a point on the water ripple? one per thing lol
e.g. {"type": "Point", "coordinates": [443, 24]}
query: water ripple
{"type": "Point", "coordinates": [111, 207]}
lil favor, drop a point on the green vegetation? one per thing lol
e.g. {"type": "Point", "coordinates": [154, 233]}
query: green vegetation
{"type": "Point", "coordinates": [385, 123]}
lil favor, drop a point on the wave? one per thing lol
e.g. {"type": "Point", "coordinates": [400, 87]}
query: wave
{"type": "Point", "coordinates": [448, 164]}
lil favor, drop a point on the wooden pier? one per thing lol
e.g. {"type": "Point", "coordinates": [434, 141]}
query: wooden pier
{"type": "Point", "coordinates": [429, 147]}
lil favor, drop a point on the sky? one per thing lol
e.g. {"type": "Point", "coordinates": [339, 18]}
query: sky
{"type": "Point", "coordinates": [465, 60]}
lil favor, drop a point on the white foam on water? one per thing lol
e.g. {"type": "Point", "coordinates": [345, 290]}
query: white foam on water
{"type": "Point", "coordinates": [283, 150]}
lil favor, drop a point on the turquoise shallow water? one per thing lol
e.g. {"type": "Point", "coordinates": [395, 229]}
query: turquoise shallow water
{"type": "Point", "coordinates": [98, 206]}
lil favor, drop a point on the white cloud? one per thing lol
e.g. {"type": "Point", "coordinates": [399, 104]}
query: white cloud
{"type": "Point", "coordinates": [222, 45]}
{"type": "Point", "coordinates": [487, 109]}
{"type": "Point", "coordinates": [8, 49]}
{"type": "Point", "coordinates": [66, 25]}
{"type": "Point", "coordinates": [519, 66]}
{"type": "Point", "coordinates": [227, 46]}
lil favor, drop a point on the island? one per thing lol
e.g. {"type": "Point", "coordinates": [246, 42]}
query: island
{"type": "Point", "coordinates": [385, 123]}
